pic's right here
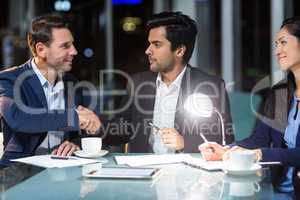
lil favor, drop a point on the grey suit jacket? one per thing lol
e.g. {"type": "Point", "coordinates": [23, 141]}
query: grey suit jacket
{"type": "Point", "coordinates": [131, 125]}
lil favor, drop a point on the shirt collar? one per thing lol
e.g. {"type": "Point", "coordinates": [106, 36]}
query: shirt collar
{"type": "Point", "coordinates": [41, 77]}
{"type": "Point", "coordinates": [44, 82]}
{"type": "Point", "coordinates": [296, 98]}
{"type": "Point", "coordinates": [176, 82]}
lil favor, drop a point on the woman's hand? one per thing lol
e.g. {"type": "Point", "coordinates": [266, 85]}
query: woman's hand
{"type": "Point", "coordinates": [212, 151]}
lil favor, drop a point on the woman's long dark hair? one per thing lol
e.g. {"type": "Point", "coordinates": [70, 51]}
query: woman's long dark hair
{"type": "Point", "coordinates": [292, 25]}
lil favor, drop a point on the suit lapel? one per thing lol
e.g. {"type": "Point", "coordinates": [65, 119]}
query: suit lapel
{"type": "Point", "coordinates": [35, 84]}
{"type": "Point", "coordinates": [148, 105]}
{"type": "Point", "coordinates": [184, 91]}
{"type": "Point", "coordinates": [151, 101]}
{"type": "Point", "coordinates": [69, 98]}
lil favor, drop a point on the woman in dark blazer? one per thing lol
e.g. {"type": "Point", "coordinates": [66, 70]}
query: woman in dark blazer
{"type": "Point", "coordinates": [276, 136]}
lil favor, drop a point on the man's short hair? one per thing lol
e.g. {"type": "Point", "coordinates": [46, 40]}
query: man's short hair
{"type": "Point", "coordinates": [41, 29]}
{"type": "Point", "coordinates": [180, 30]}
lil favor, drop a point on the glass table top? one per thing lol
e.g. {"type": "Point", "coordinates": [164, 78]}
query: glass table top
{"type": "Point", "coordinates": [178, 181]}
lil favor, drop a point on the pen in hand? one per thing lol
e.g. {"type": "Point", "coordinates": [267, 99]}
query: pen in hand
{"type": "Point", "coordinates": [203, 137]}
{"type": "Point", "coordinates": [205, 140]}
{"type": "Point", "coordinates": [156, 128]}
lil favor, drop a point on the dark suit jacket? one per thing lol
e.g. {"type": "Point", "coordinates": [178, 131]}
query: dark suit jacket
{"type": "Point", "coordinates": [24, 112]}
{"type": "Point", "coordinates": [131, 124]}
{"type": "Point", "coordinates": [269, 132]}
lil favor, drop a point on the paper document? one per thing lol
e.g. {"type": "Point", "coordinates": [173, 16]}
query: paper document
{"type": "Point", "coordinates": [48, 162]}
{"type": "Point", "coordinates": [216, 165]}
{"type": "Point", "coordinates": [135, 161]}
{"type": "Point", "coordinates": [200, 163]}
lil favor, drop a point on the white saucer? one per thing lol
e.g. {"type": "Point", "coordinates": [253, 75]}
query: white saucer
{"type": "Point", "coordinates": [252, 170]}
{"type": "Point", "coordinates": [229, 178]}
{"type": "Point", "coordinates": [85, 154]}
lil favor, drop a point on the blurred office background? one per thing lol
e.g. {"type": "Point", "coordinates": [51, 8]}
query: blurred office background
{"type": "Point", "coordinates": [235, 39]}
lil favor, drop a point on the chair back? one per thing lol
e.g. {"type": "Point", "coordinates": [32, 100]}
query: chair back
{"type": "Point", "coordinates": [243, 107]}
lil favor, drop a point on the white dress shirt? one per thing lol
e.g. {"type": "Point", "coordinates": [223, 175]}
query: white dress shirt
{"type": "Point", "coordinates": [55, 101]}
{"type": "Point", "coordinates": [164, 110]}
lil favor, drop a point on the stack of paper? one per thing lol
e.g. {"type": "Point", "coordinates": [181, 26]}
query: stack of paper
{"type": "Point", "coordinates": [48, 162]}
{"type": "Point", "coordinates": [135, 161]}
{"type": "Point", "coordinates": [200, 163]}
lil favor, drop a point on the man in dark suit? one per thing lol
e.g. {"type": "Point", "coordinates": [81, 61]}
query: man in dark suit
{"type": "Point", "coordinates": [158, 96]}
{"type": "Point", "coordinates": [39, 102]}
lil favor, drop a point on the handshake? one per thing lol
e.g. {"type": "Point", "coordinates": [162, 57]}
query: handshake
{"type": "Point", "coordinates": [88, 120]}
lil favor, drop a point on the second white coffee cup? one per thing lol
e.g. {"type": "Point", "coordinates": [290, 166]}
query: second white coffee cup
{"type": "Point", "coordinates": [91, 144]}
{"type": "Point", "coordinates": [241, 160]}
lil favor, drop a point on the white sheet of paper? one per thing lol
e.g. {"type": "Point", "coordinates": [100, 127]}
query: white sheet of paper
{"type": "Point", "coordinates": [208, 165]}
{"type": "Point", "coordinates": [135, 161]}
{"type": "Point", "coordinates": [216, 165]}
{"type": "Point", "coordinates": [47, 162]}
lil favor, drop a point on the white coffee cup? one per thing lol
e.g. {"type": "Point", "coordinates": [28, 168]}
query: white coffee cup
{"type": "Point", "coordinates": [91, 145]}
{"type": "Point", "coordinates": [243, 189]}
{"type": "Point", "coordinates": [241, 160]}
